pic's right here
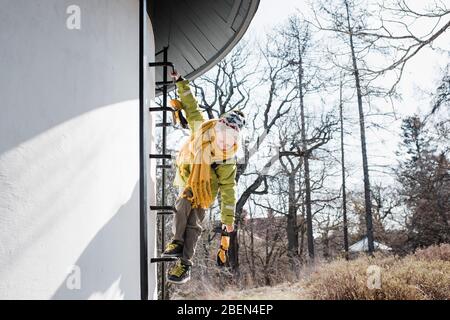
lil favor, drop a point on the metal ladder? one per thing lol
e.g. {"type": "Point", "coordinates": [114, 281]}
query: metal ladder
{"type": "Point", "coordinates": [163, 209]}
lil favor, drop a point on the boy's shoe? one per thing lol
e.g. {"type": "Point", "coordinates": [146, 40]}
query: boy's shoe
{"type": "Point", "coordinates": [180, 273]}
{"type": "Point", "coordinates": [173, 250]}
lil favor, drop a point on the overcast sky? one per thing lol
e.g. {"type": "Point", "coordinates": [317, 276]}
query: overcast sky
{"type": "Point", "coordinates": [421, 75]}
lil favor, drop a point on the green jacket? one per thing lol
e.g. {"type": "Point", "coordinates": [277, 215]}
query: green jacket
{"type": "Point", "coordinates": [223, 176]}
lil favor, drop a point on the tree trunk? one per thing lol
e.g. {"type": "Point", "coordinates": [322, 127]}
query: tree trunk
{"type": "Point", "coordinates": [252, 249]}
{"type": "Point", "coordinates": [306, 163]}
{"type": "Point", "coordinates": [326, 245]}
{"type": "Point", "coordinates": [291, 228]}
{"type": "Point", "coordinates": [368, 203]}
{"type": "Point", "coordinates": [344, 190]}
{"type": "Point", "coordinates": [234, 241]}
{"type": "Point", "coordinates": [233, 252]}
{"type": "Point", "coordinates": [291, 225]}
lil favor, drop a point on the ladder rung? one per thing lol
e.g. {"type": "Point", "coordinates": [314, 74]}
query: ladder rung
{"type": "Point", "coordinates": [160, 64]}
{"type": "Point", "coordinates": [164, 212]}
{"type": "Point", "coordinates": [156, 109]}
{"type": "Point", "coordinates": [160, 156]}
{"type": "Point", "coordinates": [166, 166]}
{"type": "Point", "coordinates": [155, 260]}
{"type": "Point", "coordinates": [162, 83]}
{"type": "Point", "coordinates": [165, 208]}
{"type": "Point", "coordinates": [163, 124]}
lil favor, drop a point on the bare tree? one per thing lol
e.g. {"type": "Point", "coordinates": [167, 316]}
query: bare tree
{"type": "Point", "coordinates": [289, 185]}
{"type": "Point", "coordinates": [345, 19]}
{"type": "Point", "coordinates": [391, 33]}
{"type": "Point", "coordinates": [442, 94]}
{"type": "Point", "coordinates": [231, 85]}
{"type": "Point", "coordinates": [292, 170]}
{"type": "Point", "coordinates": [344, 189]}
{"type": "Point", "coordinates": [395, 31]}
{"type": "Point", "coordinates": [295, 45]}
{"type": "Point", "coordinates": [362, 132]}
{"type": "Point", "coordinates": [263, 243]}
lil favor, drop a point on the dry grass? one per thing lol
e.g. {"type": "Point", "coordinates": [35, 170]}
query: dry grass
{"type": "Point", "coordinates": [441, 252]}
{"type": "Point", "coordinates": [285, 291]}
{"type": "Point", "coordinates": [422, 276]}
{"type": "Point", "coordinates": [401, 279]}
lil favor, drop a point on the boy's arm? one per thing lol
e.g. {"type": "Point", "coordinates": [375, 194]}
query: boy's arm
{"type": "Point", "coordinates": [194, 116]}
{"type": "Point", "coordinates": [226, 175]}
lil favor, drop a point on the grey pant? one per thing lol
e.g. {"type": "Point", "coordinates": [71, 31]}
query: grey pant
{"type": "Point", "coordinates": [187, 227]}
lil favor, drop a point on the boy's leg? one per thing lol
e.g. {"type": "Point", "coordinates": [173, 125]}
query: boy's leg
{"type": "Point", "coordinates": [180, 220]}
{"type": "Point", "coordinates": [192, 234]}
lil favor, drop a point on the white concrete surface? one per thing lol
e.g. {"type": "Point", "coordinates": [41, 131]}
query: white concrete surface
{"type": "Point", "coordinates": [69, 151]}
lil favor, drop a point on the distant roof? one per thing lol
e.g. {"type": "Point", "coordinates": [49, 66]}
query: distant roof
{"type": "Point", "coordinates": [362, 245]}
{"type": "Point", "coordinates": [199, 33]}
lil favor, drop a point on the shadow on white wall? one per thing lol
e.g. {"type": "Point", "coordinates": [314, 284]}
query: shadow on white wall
{"type": "Point", "coordinates": [58, 190]}
{"type": "Point", "coordinates": [109, 266]}
{"type": "Point", "coordinates": [112, 293]}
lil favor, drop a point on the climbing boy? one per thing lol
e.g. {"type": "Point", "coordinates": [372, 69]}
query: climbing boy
{"type": "Point", "coordinates": [206, 165]}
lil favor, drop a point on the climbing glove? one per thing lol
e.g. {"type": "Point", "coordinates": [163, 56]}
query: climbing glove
{"type": "Point", "coordinates": [178, 117]}
{"type": "Point", "coordinates": [222, 254]}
